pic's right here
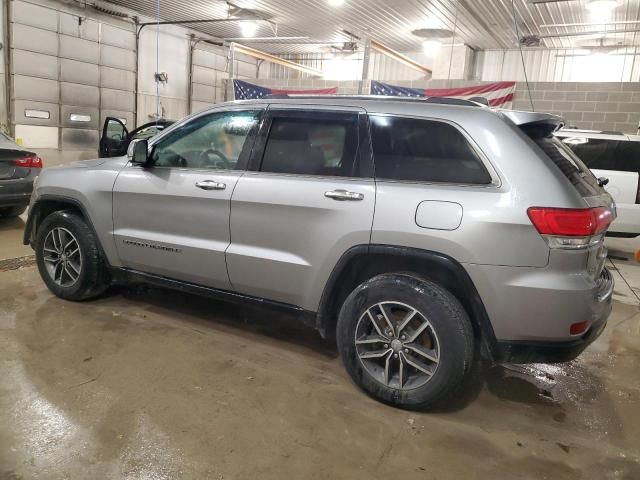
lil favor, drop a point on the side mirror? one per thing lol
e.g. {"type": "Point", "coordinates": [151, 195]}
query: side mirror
{"type": "Point", "coordinates": [138, 152]}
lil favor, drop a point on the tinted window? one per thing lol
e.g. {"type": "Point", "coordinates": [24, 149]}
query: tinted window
{"type": "Point", "coordinates": [326, 145]}
{"type": "Point", "coordinates": [606, 154]}
{"type": "Point", "coordinates": [209, 142]}
{"type": "Point", "coordinates": [424, 151]}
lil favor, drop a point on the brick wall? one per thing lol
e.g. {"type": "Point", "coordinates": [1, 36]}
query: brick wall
{"type": "Point", "coordinates": [597, 106]}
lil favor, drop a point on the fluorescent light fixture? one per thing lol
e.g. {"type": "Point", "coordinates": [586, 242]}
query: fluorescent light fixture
{"type": "Point", "coordinates": [431, 47]}
{"type": "Point", "coordinates": [249, 28]}
{"type": "Point", "coordinates": [601, 9]}
{"type": "Point", "coordinates": [336, 3]}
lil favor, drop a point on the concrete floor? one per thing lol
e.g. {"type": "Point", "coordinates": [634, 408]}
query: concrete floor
{"type": "Point", "coordinates": [152, 384]}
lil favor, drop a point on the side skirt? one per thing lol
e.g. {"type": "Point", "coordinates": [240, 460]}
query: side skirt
{"type": "Point", "coordinates": [129, 276]}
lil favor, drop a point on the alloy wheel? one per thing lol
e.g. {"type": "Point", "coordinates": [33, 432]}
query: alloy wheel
{"type": "Point", "coordinates": [397, 345]}
{"type": "Point", "coordinates": [62, 257]}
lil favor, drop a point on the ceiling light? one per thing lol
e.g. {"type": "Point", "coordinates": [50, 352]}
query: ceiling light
{"type": "Point", "coordinates": [249, 29]}
{"type": "Point", "coordinates": [336, 3]}
{"type": "Point", "coordinates": [601, 9]}
{"type": "Point", "coordinates": [431, 47]}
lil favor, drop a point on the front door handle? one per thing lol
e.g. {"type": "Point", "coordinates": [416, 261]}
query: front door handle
{"type": "Point", "coordinates": [344, 195]}
{"type": "Point", "coordinates": [210, 185]}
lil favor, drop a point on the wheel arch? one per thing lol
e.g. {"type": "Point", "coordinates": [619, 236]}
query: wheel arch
{"type": "Point", "coordinates": [46, 205]}
{"type": "Point", "coordinates": [362, 262]}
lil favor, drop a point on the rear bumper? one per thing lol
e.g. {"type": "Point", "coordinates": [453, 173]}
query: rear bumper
{"type": "Point", "coordinates": [531, 310]}
{"type": "Point", "coordinates": [16, 192]}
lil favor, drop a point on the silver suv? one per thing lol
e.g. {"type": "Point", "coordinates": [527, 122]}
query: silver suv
{"type": "Point", "coordinates": [422, 234]}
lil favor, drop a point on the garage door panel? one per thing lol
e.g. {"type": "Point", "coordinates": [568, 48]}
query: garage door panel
{"type": "Point", "coordinates": [35, 16]}
{"type": "Point", "coordinates": [37, 89]}
{"type": "Point", "coordinates": [118, 37]}
{"type": "Point", "coordinates": [88, 29]}
{"type": "Point", "coordinates": [205, 58]}
{"type": "Point", "coordinates": [246, 69]}
{"type": "Point", "coordinates": [73, 71]}
{"type": "Point", "coordinates": [116, 99]}
{"type": "Point", "coordinates": [204, 75]}
{"type": "Point", "coordinates": [200, 106]}
{"type": "Point", "coordinates": [117, 58]}
{"type": "Point", "coordinates": [120, 114]}
{"type": "Point", "coordinates": [34, 64]}
{"type": "Point", "coordinates": [79, 49]}
{"type": "Point", "coordinates": [35, 113]}
{"type": "Point", "coordinates": [117, 79]}
{"type": "Point", "coordinates": [79, 117]}
{"type": "Point", "coordinates": [36, 136]}
{"type": "Point", "coordinates": [79, 139]}
{"type": "Point", "coordinates": [205, 93]}
{"type": "Point", "coordinates": [34, 39]}
{"type": "Point", "coordinates": [80, 95]}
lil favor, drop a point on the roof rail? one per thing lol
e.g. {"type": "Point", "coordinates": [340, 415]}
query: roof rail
{"type": "Point", "coordinates": [474, 102]}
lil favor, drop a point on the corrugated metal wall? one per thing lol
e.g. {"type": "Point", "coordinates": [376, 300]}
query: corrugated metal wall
{"type": "Point", "coordinates": [68, 72]}
{"type": "Point", "coordinates": [543, 65]}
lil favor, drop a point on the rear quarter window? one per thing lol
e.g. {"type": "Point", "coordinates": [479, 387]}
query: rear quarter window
{"type": "Point", "coordinates": [424, 151]}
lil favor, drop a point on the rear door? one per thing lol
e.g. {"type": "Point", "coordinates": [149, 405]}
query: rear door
{"type": "Point", "coordinates": [114, 140]}
{"type": "Point", "coordinates": [309, 196]}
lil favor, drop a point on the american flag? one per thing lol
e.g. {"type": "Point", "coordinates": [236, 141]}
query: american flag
{"type": "Point", "coordinates": [498, 94]}
{"type": "Point", "coordinates": [248, 91]}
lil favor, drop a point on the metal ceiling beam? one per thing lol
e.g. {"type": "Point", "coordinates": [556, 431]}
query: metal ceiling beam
{"type": "Point", "coordinates": [378, 47]}
{"type": "Point", "coordinates": [252, 52]}
{"type": "Point", "coordinates": [590, 33]}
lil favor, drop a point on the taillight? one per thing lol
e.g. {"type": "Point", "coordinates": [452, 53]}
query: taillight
{"type": "Point", "coordinates": [570, 227]}
{"type": "Point", "coordinates": [30, 161]}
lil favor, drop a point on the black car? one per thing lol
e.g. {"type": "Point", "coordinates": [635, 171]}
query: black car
{"type": "Point", "coordinates": [116, 138]}
{"type": "Point", "coordinates": [18, 169]}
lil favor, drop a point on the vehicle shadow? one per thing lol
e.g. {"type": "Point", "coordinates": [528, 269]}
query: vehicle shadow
{"type": "Point", "coordinates": [527, 385]}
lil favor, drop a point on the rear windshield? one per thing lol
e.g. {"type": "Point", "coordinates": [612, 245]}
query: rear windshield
{"type": "Point", "coordinates": [567, 162]}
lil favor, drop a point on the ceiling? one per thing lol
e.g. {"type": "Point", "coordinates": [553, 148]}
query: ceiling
{"type": "Point", "coordinates": [486, 24]}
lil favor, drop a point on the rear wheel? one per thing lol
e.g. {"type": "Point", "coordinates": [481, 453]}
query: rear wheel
{"type": "Point", "coordinates": [405, 341]}
{"type": "Point", "coordinates": [68, 257]}
{"type": "Point", "coordinates": [12, 211]}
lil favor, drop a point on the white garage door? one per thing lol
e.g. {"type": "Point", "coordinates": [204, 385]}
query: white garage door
{"type": "Point", "coordinates": [68, 73]}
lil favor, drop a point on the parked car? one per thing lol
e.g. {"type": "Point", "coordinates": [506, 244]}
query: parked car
{"type": "Point", "coordinates": [116, 138]}
{"type": "Point", "coordinates": [18, 170]}
{"type": "Point", "coordinates": [615, 158]}
{"type": "Point", "coordinates": [420, 234]}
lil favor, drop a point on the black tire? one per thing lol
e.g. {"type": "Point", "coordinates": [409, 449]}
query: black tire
{"type": "Point", "coordinates": [12, 211]}
{"type": "Point", "coordinates": [93, 278]}
{"type": "Point", "coordinates": [448, 319]}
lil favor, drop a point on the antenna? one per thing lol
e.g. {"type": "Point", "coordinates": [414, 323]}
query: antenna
{"type": "Point", "coordinates": [524, 67]}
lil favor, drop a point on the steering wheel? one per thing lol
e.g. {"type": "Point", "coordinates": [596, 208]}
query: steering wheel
{"type": "Point", "coordinates": [204, 157]}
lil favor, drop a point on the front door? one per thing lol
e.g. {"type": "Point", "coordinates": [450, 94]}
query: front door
{"type": "Point", "coordinates": [172, 217]}
{"type": "Point", "coordinates": [306, 200]}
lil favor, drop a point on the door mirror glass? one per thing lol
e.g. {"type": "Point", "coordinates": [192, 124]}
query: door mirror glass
{"type": "Point", "coordinates": [138, 152]}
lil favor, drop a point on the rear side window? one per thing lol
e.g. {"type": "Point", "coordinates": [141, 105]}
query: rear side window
{"type": "Point", "coordinates": [424, 151]}
{"type": "Point", "coordinates": [606, 154]}
{"type": "Point", "coordinates": [320, 144]}
{"type": "Point", "coordinates": [563, 157]}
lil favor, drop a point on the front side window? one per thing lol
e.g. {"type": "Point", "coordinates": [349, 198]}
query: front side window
{"type": "Point", "coordinates": [424, 151]}
{"type": "Point", "coordinates": [324, 144]}
{"type": "Point", "coordinates": [212, 141]}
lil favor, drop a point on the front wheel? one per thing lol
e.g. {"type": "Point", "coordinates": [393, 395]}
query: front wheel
{"type": "Point", "coordinates": [68, 257]}
{"type": "Point", "coordinates": [405, 341]}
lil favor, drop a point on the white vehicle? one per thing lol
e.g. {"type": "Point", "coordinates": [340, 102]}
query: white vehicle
{"type": "Point", "coordinates": [614, 157]}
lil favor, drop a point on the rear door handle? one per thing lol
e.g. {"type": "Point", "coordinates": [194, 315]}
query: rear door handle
{"type": "Point", "coordinates": [344, 195]}
{"type": "Point", "coordinates": [210, 185]}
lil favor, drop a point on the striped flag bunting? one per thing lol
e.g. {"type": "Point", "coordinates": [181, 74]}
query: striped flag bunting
{"type": "Point", "coordinates": [248, 91]}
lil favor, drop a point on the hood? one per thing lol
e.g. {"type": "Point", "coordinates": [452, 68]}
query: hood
{"type": "Point", "coordinates": [95, 163]}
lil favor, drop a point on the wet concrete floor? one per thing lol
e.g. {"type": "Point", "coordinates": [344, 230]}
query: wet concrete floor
{"type": "Point", "coordinates": [154, 384]}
